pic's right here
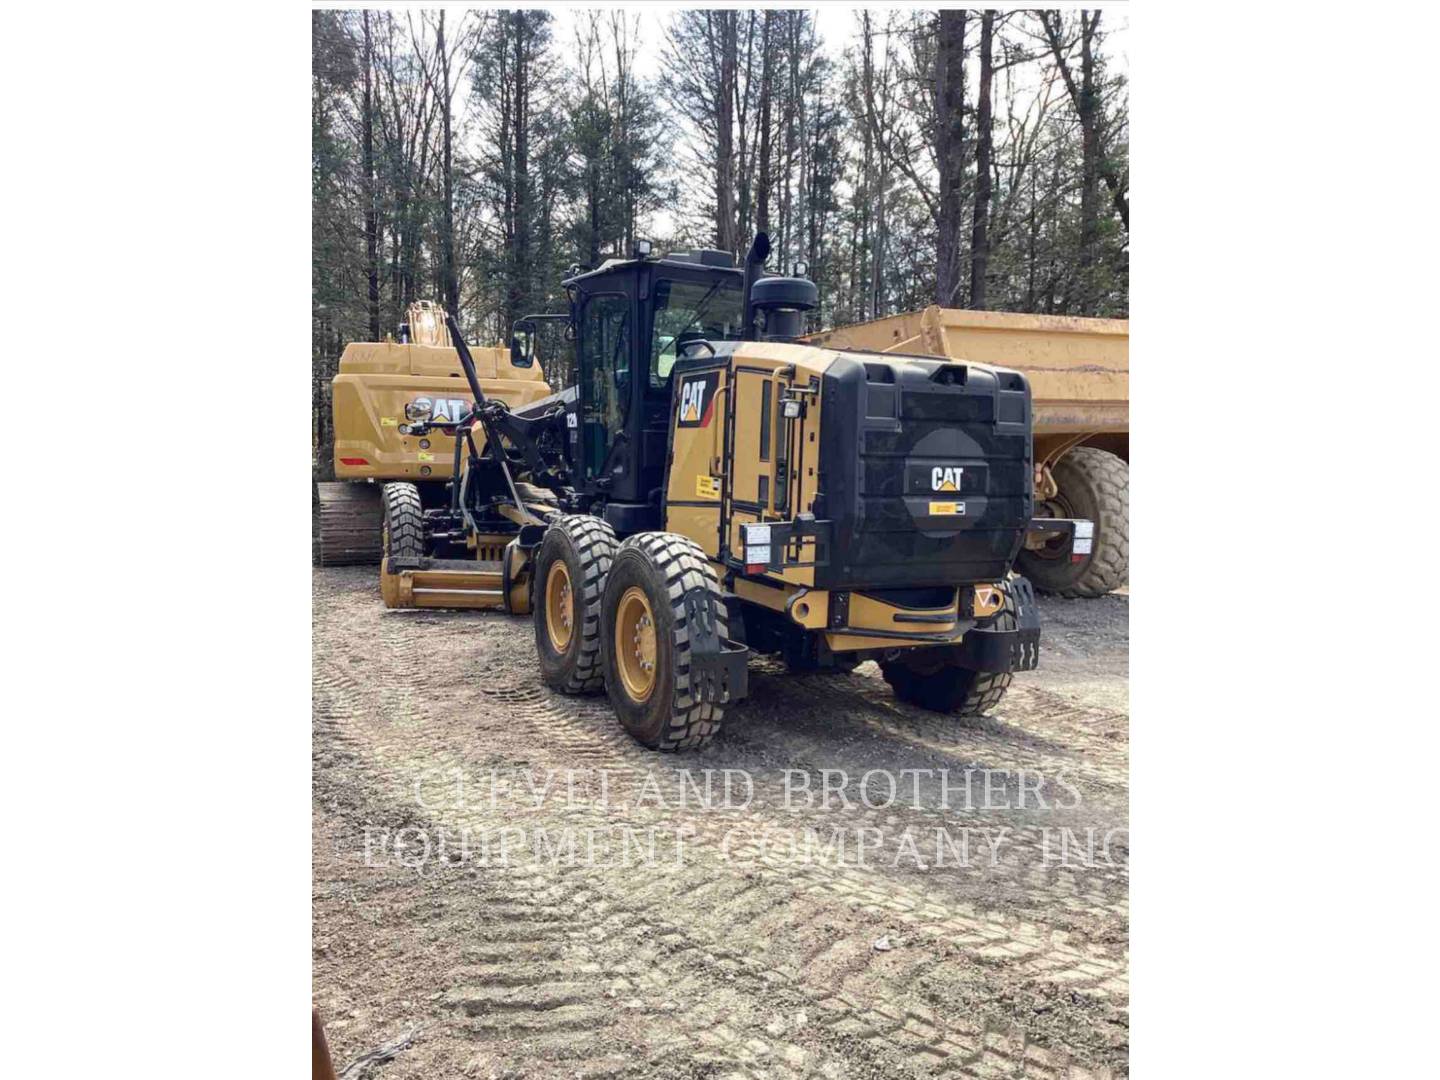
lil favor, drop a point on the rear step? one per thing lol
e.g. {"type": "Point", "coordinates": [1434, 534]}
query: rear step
{"type": "Point", "coordinates": [441, 583]}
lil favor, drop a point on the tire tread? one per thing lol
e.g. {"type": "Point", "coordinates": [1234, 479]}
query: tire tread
{"type": "Point", "coordinates": [683, 566]}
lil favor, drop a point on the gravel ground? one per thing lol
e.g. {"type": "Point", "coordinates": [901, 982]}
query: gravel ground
{"type": "Point", "coordinates": [501, 871]}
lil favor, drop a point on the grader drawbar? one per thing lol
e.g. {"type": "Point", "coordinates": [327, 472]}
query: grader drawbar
{"type": "Point", "coordinates": [714, 487]}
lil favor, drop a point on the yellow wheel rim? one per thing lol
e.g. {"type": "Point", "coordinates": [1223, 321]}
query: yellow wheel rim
{"type": "Point", "coordinates": [635, 644]}
{"type": "Point", "coordinates": [559, 606]}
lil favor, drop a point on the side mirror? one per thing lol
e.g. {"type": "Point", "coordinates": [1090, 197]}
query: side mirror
{"type": "Point", "coordinates": [420, 410]}
{"type": "Point", "coordinates": [522, 345]}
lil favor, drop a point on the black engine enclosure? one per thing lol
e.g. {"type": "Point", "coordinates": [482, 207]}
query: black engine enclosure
{"type": "Point", "coordinates": [887, 423]}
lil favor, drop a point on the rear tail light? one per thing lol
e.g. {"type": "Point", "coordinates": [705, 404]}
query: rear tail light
{"type": "Point", "coordinates": [757, 548]}
{"type": "Point", "coordinates": [353, 461]}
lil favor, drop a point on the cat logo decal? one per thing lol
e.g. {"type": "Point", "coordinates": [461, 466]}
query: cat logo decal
{"type": "Point", "coordinates": [944, 478]}
{"type": "Point", "coordinates": [697, 399]}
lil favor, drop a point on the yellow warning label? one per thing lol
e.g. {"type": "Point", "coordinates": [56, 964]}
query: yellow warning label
{"type": "Point", "coordinates": [431, 457]}
{"type": "Point", "coordinates": [389, 421]}
{"type": "Point", "coordinates": [947, 508]}
{"type": "Point", "coordinates": [707, 487]}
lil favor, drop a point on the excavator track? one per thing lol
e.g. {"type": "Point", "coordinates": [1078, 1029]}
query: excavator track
{"type": "Point", "coordinates": [350, 517]}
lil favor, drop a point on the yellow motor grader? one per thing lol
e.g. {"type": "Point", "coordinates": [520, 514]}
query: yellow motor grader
{"type": "Point", "coordinates": [377, 381]}
{"type": "Point", "coordinates": [712, 487]}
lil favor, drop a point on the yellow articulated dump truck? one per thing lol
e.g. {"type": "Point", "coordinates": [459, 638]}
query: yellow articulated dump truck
{"type": "Point", "coordinates": [380, 383]}
{"type": "Point", "coordinates": [1079, 374]}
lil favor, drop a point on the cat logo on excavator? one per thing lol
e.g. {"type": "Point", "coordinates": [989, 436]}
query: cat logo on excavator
{"type": "Point", "coordinates": [448, 410]}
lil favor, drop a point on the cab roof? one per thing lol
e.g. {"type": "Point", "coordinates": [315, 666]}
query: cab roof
{"type": "Point", "coordinates": [704, 258]}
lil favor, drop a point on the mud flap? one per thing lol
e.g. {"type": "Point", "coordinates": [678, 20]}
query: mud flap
{"type": "Point", "coordinates": [718, 673]}
{"type": "Point", "coordinates": [986, 649]}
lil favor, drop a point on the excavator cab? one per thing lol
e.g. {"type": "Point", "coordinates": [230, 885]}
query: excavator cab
{"type": "Point", "coordinates": [425, 325]}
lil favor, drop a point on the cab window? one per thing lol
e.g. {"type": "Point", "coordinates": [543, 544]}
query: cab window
{"type": "Point", "coordinates": [688, 311]}
{"type": "Point", "coordinates": [605, 339]}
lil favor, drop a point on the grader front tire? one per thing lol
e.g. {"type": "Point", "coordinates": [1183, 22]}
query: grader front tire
{"type": "Point", "coordinates": [403, 522]}
{"type": "Point", "coordinates": [571, 566]}
{"type": "Point", "coordinates": [645, 642]}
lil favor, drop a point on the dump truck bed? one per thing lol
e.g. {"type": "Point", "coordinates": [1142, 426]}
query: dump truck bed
{"type": "Point", "coordinates": [1079, 369]}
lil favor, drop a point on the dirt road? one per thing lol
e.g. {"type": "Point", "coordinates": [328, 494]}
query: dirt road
{"type": "Point", "coordinates": [880, 892]}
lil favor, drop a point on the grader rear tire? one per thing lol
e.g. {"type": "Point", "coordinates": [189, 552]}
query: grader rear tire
{"type": "Point", "coordinates": [403, 525]}
{"type": "Point", "coordinates": [571, 566]}
{"type": "Point", "coordinates": [1094, 484]}
{"type": "Point", "coordinates": [645, 641]}
{"type": "Point", "coordinates": [931, 679]}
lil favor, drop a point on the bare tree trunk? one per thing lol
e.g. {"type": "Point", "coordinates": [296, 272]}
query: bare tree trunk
{"type": "Point", "coordinates": [864, 286]}
{"type": "Point", "coordinates": [979, 239]}
{"type": "Point", "coordinates": [745, 157]}
{"type": "Point", "coordinates": [725, 237]}
{"type": "Point", "coordinates": [520, 284]}
{"type": "Point", "coordinates": [1032, 236]}
{"type": "Point", "coordinates": [449, 282]}
{"type": "Point", "coordinates": [1086, 99]}
{"type": "Point", "coordinates": [877, 275]}
{"type": "Point", "coordinates": [794, 115]}
{"type": "Point", "coordinates": [949, 151]}
{"type": "Point", "coordinates": [1090, 181]}
{"type": "Point", "coordinates": [762, 213]}
{"type": "Point", "coordinates": [372, 216]}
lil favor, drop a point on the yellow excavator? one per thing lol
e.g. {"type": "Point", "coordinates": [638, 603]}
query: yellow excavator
{"type": "Point", "coordinates": [377, 381]}
{"type": "Point", "coordinates": [713, 486]}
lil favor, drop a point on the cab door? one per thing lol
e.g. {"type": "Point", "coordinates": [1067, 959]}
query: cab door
{"type": "Point", "coordinates": [756, 489]}
{"type": "Point", "coordinates": [604, 350]}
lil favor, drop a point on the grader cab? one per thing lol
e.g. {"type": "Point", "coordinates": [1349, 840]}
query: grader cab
{"type": "Point", "coordinates": [712, 487]}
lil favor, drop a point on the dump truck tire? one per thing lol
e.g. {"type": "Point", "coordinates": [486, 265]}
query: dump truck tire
{"type": "Point", "coordinates": [646, 641]}
{"type": "Point", "coordinates": [931, 679]}
{"type": "Point", "coordinates": [1094, 484]}
{"type": "Point", "coordinates": [403, 526]}
{"type": "Point", "coordinates": [349, 524]}
{"type": "Point", "coordinates": [570, 570]}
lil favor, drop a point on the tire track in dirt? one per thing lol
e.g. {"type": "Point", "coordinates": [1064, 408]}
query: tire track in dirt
{"type": "Point", "coordinates": [439, 712]}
